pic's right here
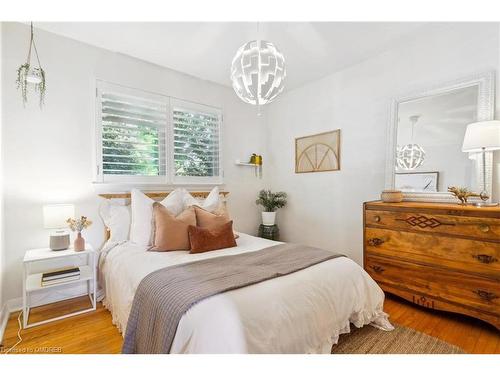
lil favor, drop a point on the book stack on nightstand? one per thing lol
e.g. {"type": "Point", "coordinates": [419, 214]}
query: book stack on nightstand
{"type": "Point", "coordinates": [59, 276]}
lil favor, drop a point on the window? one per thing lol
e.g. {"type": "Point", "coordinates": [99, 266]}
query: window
{"type": "Point", "coordinates": [141, 140]}
{"type": "Point", "coordinates": [196, 142]}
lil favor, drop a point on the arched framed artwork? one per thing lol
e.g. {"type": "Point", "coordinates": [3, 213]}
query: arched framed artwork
{"type": "Point", "coordinates": [318, 152]}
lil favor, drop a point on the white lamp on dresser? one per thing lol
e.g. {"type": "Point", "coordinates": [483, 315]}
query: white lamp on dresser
{"type": "Point", "coordinates": [54, 217]}
{"type": "Point", "coordinates": [481, 137]}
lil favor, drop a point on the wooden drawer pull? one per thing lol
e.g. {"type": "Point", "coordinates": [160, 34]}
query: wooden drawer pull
{"type": "Point", "coordinates": [377, 269]}
{"type": "Point", "coordinates": [484, 228]}
{"type": "Point", "coordinates": [375, 241]}
{"type": "Point", "coordinates": [483, 258]}
{"type": "Point", "coordinates": [376, 218]}
{"type": "Point", "coordinates": [487, 296]}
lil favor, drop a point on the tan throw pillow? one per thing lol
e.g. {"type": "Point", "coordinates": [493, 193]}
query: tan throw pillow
{"type": "Point", "coordinates": [215, 238]}
{"type": "Point", "coordinates": [171, 232]}
{"type": "Point", "coordinates": [209, 220]}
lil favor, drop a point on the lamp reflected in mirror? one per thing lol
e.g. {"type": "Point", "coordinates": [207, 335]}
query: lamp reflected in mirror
{"type": "Point", "coordinates": [481, 137]}
{"type": "Point", "coordinates": [410, 156]}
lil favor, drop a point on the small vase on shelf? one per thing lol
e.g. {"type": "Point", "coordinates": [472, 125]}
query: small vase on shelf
{"type": "Point", "coordinates": [79, 243]}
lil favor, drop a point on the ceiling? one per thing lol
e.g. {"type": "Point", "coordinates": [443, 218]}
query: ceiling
{"type": "Point", "coordinates": [205, 49]}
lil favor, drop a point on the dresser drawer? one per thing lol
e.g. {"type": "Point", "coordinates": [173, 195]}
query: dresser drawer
{"type": "Point", "coordinates": [458, 253]}
{"type": "Point", "coordinates": [466, 226]}
{"type": "Point", "coordinates": [455, 287]}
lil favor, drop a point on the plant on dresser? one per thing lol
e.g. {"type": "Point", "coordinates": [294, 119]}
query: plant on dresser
{"type": "Point", "coordinates": [440, 256]}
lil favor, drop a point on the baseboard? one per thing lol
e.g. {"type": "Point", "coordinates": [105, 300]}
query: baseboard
{"type": "Point", "coordinates": [10, 306]}
{"type": "Point", "coordinates": [4, 318]}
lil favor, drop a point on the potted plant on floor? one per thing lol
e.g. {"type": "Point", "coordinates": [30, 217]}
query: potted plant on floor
{"type": "Point", "coordinates": [271, 202]}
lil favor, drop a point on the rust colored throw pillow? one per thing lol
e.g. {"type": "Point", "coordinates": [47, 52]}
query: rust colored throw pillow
{"type": "Point", "coordinates": [214, 238]}
{"type": "Point", "coordinates": [170, 231]}
{"type": "Point", "coordinates": [209, 220]}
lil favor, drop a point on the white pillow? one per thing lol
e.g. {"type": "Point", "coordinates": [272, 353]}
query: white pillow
{"type": "Point", "coordinates": [116, 217]}
{"type": "Point", "coordinates": [141, 228]}
{"type": "Point", "coordinates": [174, 202]}
{"type": "Point", "coordinates": [210, 203]}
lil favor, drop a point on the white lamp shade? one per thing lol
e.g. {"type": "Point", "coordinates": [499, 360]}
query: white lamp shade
{"type": "Point", "coordinates": [55, 215]}
{"type": "Point", "coordinates": [482, 135]}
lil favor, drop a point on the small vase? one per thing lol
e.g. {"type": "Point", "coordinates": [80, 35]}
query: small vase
{"type": "Point", "coordinates": [268, 218]}
{"type": "Point", "coordinates": [79, 243]}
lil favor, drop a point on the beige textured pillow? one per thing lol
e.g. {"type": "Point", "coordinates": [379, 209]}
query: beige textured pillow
{"type": "Point", "coordinates": [209, 220]}
{"type": "Point", "coordinates": [171, 232]}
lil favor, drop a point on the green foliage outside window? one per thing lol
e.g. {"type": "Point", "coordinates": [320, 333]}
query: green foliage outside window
{"type": "Point", "coordinates": [132, 150]}
{"type": "Point", "coordinates": [196, 144]}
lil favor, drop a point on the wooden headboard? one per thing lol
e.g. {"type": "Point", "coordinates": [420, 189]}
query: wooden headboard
{"type": "Point", "coordinates": [153, 195]}
{"type": "Point", "coordinates": [158, 194]}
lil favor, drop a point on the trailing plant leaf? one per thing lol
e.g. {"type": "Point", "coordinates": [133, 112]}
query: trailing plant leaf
{"type": "Point", "coordinates": [41, 87]}
{"type": "Point", "coordinates": [22, 73]}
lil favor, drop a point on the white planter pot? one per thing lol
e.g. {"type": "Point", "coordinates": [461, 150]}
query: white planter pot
{"type": "Point", "coordinates": [268, 218]}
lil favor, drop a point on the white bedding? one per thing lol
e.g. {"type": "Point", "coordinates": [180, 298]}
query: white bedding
{"type": "Point", "coordinates": [304, 312]}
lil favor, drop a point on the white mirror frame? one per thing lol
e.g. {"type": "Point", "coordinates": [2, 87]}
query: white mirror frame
{"type": "Point", "coordinates": [485, 111]}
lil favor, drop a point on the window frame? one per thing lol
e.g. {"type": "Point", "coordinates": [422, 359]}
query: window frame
{"type": "Point", "coordinates": [170, 102]}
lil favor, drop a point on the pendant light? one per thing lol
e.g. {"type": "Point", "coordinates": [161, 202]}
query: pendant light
{"type": "Point", "coordinates": [410, 156]}
{"type": "Point", "coordinates": [258, 72]}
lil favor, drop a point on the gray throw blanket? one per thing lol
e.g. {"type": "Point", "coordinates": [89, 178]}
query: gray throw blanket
{"type": "Point", "coordinates": [164, 296]}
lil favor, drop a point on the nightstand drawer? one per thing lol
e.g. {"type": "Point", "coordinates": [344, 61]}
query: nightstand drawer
{"type": "Point", "coordinates": [458, 253]}
{"type": "Point", "coordinates": [465, 226]}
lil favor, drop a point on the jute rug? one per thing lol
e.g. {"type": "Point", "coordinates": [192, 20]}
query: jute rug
{"type": "Point", "coordinates": [402, 340]}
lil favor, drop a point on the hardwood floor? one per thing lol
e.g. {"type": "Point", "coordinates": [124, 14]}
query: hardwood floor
{"type": "Point", "coordinates": [94, 333]}
{"type": "Point", "coordinates": [89, 333]}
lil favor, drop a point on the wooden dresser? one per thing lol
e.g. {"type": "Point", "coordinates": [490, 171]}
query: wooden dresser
{"type": "Point", "coordinates": [441, 256]}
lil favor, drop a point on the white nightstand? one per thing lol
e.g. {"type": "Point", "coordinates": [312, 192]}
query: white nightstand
{"type": "Point", "coordinates": [33, 281]}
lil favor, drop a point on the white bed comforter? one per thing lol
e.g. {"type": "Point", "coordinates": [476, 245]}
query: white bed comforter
{"type": "Point", "coordinates": [304, 312]}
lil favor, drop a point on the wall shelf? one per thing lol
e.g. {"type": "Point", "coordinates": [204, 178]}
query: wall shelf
{"type": "Point", "coordinates": [245, 164]}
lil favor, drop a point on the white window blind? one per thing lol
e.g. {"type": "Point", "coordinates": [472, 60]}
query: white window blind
{"type": "Point", "coordinates": [144, 137]}
{"type": "Point", "coordinates": [196, 142]}
{"type": "Point", "coordinates": [133, 128]}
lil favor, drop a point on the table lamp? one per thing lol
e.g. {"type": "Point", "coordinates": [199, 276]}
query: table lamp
{"type": "Point", "coordinates": [481, 137]}
{"type": "Point", "coordinates": [54, 217]}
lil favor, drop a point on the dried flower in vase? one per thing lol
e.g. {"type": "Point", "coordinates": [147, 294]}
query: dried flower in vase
{"type": "Point", "coordinates": [77, 225]}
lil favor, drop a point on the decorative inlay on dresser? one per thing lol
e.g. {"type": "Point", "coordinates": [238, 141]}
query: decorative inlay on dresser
{"type": "Point", "coordinates": [440, 256]}
{"type": "Point", "coordinates": [424, 221]}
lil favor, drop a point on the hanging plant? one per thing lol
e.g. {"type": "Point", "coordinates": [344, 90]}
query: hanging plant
{"type": "Point", "coordinates": [31, 75]}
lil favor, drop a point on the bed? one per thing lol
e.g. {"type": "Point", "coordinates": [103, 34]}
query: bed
{"type": "Point", "coordinates": [302, 312]}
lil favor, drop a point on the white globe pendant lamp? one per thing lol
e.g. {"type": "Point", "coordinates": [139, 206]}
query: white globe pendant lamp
{"type": "Point", "coordinates": [258, 72]}
{"type": "Point", "coordinates": [410, 156]}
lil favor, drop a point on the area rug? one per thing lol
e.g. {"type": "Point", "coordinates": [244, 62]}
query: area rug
{"type": "Point", "coordinates": [402, 340]}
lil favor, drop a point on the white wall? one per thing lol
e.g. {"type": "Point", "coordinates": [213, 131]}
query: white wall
{"type": "Point", "coordinates": [47, 154]}
{"type": "Point", "coordinates": [2, 271]}
{"type": "Point", "coordinates": [325, 209]}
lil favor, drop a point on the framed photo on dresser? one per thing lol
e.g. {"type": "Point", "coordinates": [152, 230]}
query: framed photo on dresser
{"type": "Point", "coordinates": [417, 181]}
